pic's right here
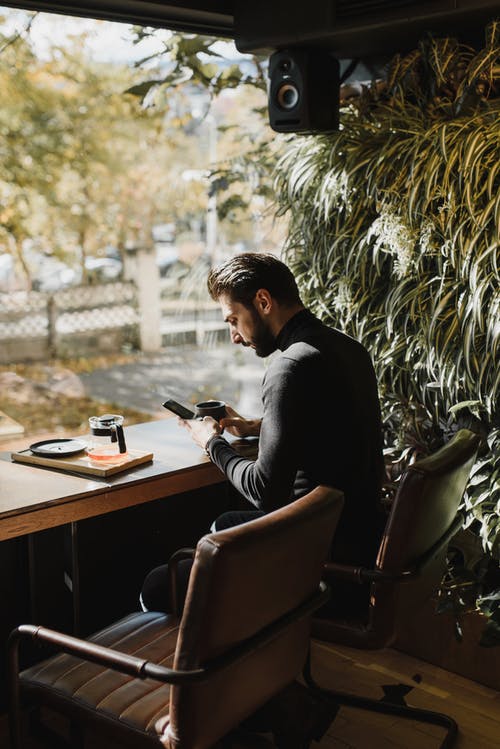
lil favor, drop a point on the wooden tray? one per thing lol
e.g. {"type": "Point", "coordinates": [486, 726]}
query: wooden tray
{"type": "Point", "coordinates": [81, 463]}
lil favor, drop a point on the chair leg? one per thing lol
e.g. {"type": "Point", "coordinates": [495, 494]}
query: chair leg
{"type": "Point", "coordinates": [403, 711]}
{"type": "Point", "coordinates": [14, 694]}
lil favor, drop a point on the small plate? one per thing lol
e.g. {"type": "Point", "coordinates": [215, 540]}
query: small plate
{"type": "Point", "coordinates": [61, 448]}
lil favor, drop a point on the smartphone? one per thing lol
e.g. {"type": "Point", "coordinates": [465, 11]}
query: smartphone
{"type": "Point", "coordinates": [178, 409]}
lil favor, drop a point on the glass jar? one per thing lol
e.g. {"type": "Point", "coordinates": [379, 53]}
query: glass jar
{"type": "Point", "coordinates": [107, 440]}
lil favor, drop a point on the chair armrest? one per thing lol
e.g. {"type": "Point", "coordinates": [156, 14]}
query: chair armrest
{"type": "Point", "coordinates": [345, 573]}
{"type": "Point", "coordinates": [104, 656]}
{"type": "Point", "coordinates": [359, 575]}
{"type": "Point", "coordinates": [89, 651]}
{"type": "Point", "coordinates": [142, 668]}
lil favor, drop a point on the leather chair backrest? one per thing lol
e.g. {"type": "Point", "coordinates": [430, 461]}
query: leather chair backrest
{"type": "Point", "coordinates": [424, 508]}
{"type": "Point", "coordinates": [243, 579]}
{"type": "Point", "coordinates": [427, 501]}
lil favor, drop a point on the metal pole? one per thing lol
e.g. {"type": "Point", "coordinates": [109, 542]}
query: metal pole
{"type": "Point", "coordinates": [212, 199]}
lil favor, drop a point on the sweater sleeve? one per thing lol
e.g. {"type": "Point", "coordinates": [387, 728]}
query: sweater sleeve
{"type": "Point", "coordinates": [267, 482]}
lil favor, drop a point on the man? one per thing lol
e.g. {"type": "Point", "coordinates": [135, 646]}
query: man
{"type": "Point", "coordinates": [321, 414]}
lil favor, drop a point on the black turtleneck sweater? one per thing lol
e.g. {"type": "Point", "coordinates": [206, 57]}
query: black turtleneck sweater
{"type": "Point", "coordinates": [320, 425]}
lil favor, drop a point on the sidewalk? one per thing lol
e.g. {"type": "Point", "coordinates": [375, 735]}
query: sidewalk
{"type": "Point", "coordinates": [185, 373]}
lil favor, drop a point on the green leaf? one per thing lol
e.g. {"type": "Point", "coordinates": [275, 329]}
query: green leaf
{"type": "Point", "coordinates": [141, 89]}
{"type": "Point", "coordinates": [490, 637]}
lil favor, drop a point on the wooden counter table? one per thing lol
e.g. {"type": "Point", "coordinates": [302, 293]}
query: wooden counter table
{"type": "Point", "coordinates": [35, 499]}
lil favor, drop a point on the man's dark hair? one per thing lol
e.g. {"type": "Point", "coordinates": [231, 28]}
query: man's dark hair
{"type": "Point", "coordinates": [243, 275]}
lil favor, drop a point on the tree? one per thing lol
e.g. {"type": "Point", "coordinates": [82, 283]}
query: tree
{"type": "Point", "coordinates": [233, 89]}
{"type": "Point", "coordinates": [31, 156]}
{"type": "Point", "coordinates": [84, 165]}
{"type": "Point", "coordinates": [105, 137]}
{"type": "Point", "coordinates": [95, 154]}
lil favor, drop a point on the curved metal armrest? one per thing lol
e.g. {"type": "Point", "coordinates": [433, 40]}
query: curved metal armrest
{"type": "Point", "coordinates": [359, 575]}
{"type": "Point", "coordinates": [345, 573]}
{"type": "Point", "coordinates": [142, 668]}
{"type": "Point", "coordinates": [90, 651]}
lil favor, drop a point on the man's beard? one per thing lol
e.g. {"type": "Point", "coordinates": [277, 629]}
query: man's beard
{"type": "Point", "coordinates": [263, 340]}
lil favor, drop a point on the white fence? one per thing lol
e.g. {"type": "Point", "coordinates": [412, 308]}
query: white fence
{"type": "Point", "coordinates": [77, 321]}
{"type": "Point", "coordinates": [104, 318]}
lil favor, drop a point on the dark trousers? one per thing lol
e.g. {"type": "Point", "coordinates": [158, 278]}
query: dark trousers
{"type": "Point", "coordinates": [154, 592]}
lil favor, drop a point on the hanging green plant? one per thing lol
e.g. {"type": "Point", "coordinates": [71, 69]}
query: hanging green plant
{"type": "Point", "coordinates": [394, 238]}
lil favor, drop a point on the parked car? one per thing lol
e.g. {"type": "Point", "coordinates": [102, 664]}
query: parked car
{"type": "Point", "coordinates": [102, 269]}
{"type": "Point", "coordinates": [54, 275]}
{"type": "Point", "coordinates": [166, 256]}
{"type": "Point", "coordinates": [164, 233]}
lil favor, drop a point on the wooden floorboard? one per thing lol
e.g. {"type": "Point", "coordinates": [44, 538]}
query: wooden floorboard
{"type": "Point", "coordinates": [476, 708]}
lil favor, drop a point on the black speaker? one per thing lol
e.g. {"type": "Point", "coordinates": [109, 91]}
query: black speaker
{"type": "Point", "coordinates": [303, 91]}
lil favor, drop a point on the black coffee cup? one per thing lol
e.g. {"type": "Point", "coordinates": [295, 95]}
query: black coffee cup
{"type": "Point", "coordinates": [215, 409]}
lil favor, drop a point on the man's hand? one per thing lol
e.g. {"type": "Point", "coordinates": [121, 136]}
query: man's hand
{"type": "Point", "coordinates": [238, 426]}
{"type": "Point", "coordinates": [201, 430]}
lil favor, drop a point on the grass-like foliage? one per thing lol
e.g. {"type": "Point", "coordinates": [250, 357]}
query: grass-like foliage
{"type": "Point", "coordinates": [394, 237]}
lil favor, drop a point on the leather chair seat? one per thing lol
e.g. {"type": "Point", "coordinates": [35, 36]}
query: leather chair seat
{"type": "Point", "coordinates": [96, 693]}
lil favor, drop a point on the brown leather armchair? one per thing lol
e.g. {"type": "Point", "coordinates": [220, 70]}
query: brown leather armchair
{"type": "Point", "coordinates": [410, 563]}
{"type": "Point", "coordinates": [185, 681]}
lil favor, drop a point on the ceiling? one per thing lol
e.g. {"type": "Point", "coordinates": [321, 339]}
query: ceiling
{"type": "Point", "coordinates": [364, 29]}
{"type": "Point", "coordinates": [210, 17]}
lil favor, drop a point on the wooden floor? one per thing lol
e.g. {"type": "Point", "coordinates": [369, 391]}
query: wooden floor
{"type": "Point", "coordinates": [475, 707]}
{"type": "Point", "coordinates": [372, 674]}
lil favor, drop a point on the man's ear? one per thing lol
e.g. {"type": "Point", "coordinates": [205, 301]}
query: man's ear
{"type": "Point", "coordinates": [263, 301]}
